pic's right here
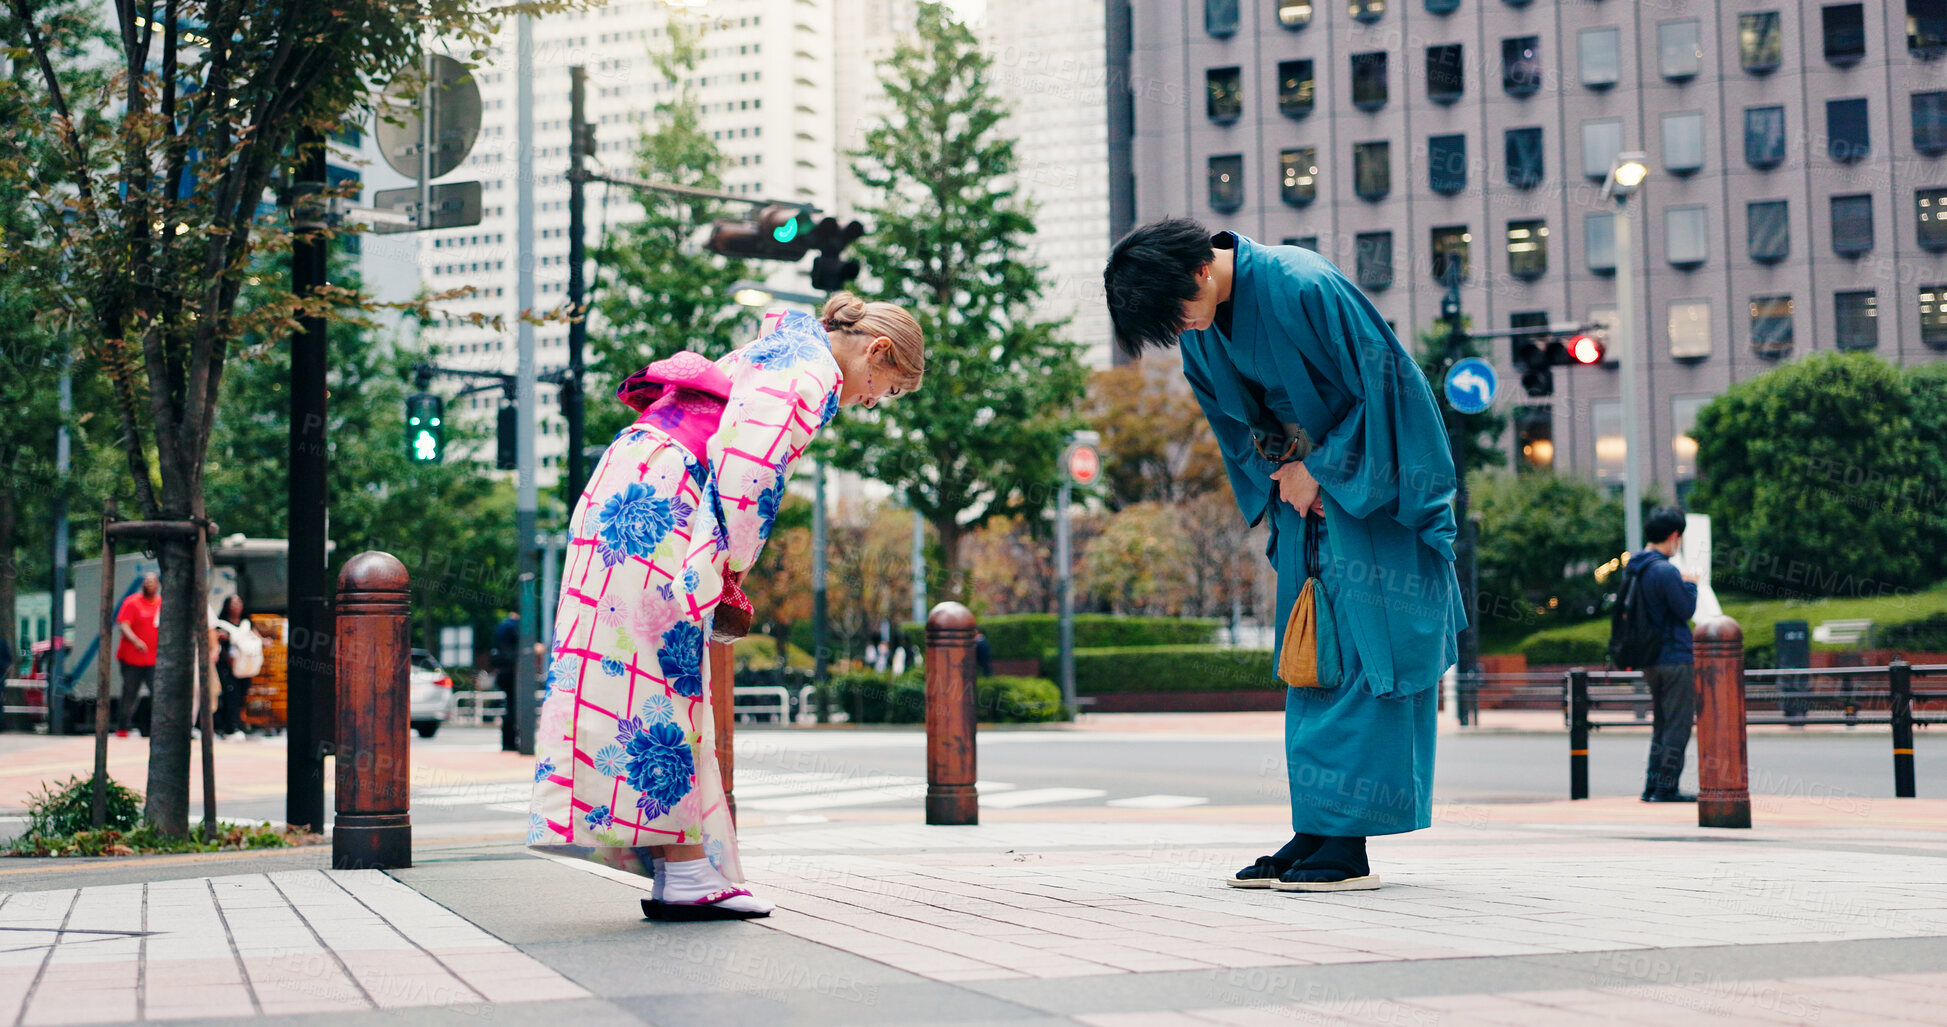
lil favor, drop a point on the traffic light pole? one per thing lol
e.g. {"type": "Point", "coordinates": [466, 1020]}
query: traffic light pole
{"type": "Point", "coordinates": [581, 143]}
{"type": "Point", "coordinates": [312, 714]}
{"type": "Point", "coordinates": [1464, 549]}
{"type": "Point", "coordinates": [520, 705]}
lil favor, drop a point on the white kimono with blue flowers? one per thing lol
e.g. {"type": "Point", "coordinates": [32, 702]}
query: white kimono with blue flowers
{"type": "Point", "coordinates": [626, 747]}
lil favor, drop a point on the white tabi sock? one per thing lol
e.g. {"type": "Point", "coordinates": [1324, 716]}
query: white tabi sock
{"type": "Point", "coordinates": [691, 881]}
{"type": "Point", "coordinates": [656, 871]}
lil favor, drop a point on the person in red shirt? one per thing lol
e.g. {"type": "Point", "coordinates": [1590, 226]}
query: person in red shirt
{"type": "Point", "coordinates": [135, 627]}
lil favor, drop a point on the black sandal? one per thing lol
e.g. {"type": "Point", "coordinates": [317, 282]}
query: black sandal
{"type": "Point", "coordinates": [652, 909]}
{"type": "Point", "coordinates": [1262, 874]}
{"type": "Point", "coordinates": [1351, 877]}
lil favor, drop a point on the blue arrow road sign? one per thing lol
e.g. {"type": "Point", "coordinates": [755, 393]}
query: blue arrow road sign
{"type": "Point", "coordinates": [1470, 385]}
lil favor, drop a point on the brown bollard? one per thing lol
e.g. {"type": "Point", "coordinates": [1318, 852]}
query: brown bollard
{"type": "Point", "coordinates": [950, 719]}
{"type": "Point", "coordinates": [373, 828]}
{"type": "Point", "coordinates": [723, 708]}
{"type": "Point", "coordinates": [1723, 770]}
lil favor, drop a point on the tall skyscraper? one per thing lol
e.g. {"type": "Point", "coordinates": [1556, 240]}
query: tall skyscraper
{"type": "Point", "coordinates": [1794, 204]}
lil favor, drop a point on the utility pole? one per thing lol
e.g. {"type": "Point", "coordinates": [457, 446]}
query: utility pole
{"type": "Point", "coordinates": [526, 504]}
{"type": "Point", "coordinates": [57, 654]}
{"type": "Point", "coordinates": [820, 571]}
{"type": "Point", "coordinates": [581, 145]}
{"type": "Point", "coordinates": [312, 713]}
{"type": "Point", "coordinates": [1464, 541]}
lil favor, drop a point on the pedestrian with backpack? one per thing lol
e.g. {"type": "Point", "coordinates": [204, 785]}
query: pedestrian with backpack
{"type": "Point", "coordinates": [1649, 630]}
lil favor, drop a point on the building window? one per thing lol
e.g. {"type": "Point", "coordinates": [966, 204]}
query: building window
{"type": "Point", "coordinates": [1307, 242]}
{"type": "Point", "coordinates": [1764, 136]}
{"type": "Point", "coordinates": [1295, 88]}
{"type": "Point", "coordinates": [1601, 141]}
{"type": "Point", "coordinates": [1224, 94]}
{"type": "Point", "coordinates": [1525, 166]}
{"type": "Point", "coordinates": [1768, 228]}
{"type": "Point", "coordinates": [1858, 319]}
{"type": "Point", "coordinates": [1369, 80]}
{"type": "Point", "coordinates": [1442, 6]}
{"type": "Point", "coordinates": [1450, 246]}
{"type": "Point", "coordinates": [1679, 50]}
{"type": "Point", "coordinates": [1771, 326]}
{"type": "Point", "coordinates": [1366, 10]}
{"type": "Point", "coordinates": [1599, 235]}
{"type": "Point", "coordinates": [1372, 170]}
{"type": "Point", "coordinates": [1611, 448]}
{"type": "Point", "coordinates": [1689, 329]}
{"type": "Point", "coordinates": [1848, 137]}
{"type": "Point", "coordinates": [1683, 142]}
{"type": "Point", "coordinates": [1926, 27]}
{"type": "Point", "coordinates": [1683, 447]}
{"type": "Point", "coordinates": [1220, 17]}
{"type": "Point", "coordinates": [1845, 33]}
{"type": "Point", "coordinates": [1601, 53]}
{"type": "Point", "coordinates": [1294, 14]}
{"type": "Point", "coordinates": [1933, 316]}
{"type": "Point", "coordinates": [1527, 249]}
{"type": "Point", "coordinates": [1374, 256]}
{"type": "Point", "coordinates": [1931, 206]}
{"type": "Point", "coordinates": [1444, 66]}
{"type": "Point", "coordinates": [1521, 65]}
{"type": "Point", "coordinates": [1685, 238]}
{"type": "Point", "coordinates": [1760, 43]}
{"type": "Point", "coordinates": [1930, 122]}
{"type": "Point", "coordinates": [1534, 428]}
{"type": "Point", "coordinates": [1447, 164]}
{"type": "Point", "coordinates": [1298, 175]}
{"type": "Point", "coordinates": [1227, 182]}
{"type": "Point", "coordinates": [1852, 225]}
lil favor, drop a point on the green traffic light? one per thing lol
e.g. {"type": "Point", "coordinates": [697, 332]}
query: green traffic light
{"type": "Point", "coordinates": [786, 231]}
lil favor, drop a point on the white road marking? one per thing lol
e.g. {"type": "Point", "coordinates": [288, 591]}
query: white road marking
{"type": "Point", "coordinates": [1160, 801]}
{"type": "Point", "coordinates": [1039, 796]}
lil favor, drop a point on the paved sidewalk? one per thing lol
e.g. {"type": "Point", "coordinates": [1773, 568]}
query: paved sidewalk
{"type": "Point", "coordinates": [1605, 911]}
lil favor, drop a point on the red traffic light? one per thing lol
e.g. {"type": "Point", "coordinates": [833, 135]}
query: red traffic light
{"type": "Point", "coordinates": [1585, 349]}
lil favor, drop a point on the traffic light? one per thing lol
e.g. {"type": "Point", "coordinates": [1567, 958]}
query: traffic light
{"type": "Point", "coordinates": [1585, 349]}
{"type": "Point", "coordinates": [830, 270]}
{"type": "Point", "coordinates": [778, 232]}
{"type": "Point", "coordinates": [425, 428]}
{"type": "Point", "coordinates": [507, 438]}
{"type": "Point", "coordinates": [1532, 360]}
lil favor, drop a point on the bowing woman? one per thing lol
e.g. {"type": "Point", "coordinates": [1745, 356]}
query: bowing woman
{"type": "Point", "coordinates": [1329, 434]}
{"type": "Point", "coordinates": [675, 513]}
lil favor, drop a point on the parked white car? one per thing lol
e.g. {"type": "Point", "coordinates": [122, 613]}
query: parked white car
{"type": "Point", "coordinates": [432, 694]}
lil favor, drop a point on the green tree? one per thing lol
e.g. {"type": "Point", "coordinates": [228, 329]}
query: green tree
{"type": "Point", "coordinates": [1816, 476]}
{"type": "Point", "coordinates": [945, 240]}
{"type": "Point", "coordinates": [1542, 536]}
{"type": "Point", "coordinates": [450, 523]}
{"type": "Point", "coordinates": [157, 174]}
{"type": "Point", "coordinates": [659, 293]}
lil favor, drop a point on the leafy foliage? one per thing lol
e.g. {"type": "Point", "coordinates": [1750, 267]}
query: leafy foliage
{"type": "Point", "coordinates": [1435, 357]}
{"type": "Point", "coordinates": [1171, 668]}
{"type": "Point", "coordinates": [1541, 537]}
{"type": "Point", "coordinates": [980, 438]}
{"type": "Point", "coordinates": [1821, 479]}
{"type": "Point", "coordinates": [60, 823]}
{"type": "Point", "coordinates": [1156, 445]}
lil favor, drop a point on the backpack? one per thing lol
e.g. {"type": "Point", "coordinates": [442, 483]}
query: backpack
{"type": "Point", "coordinates": [1633, 641]}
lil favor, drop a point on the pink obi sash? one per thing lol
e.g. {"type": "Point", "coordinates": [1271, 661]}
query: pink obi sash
{"type": "Point", "coordinates": [684, 395]}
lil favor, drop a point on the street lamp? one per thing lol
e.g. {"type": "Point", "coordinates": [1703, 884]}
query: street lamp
{"type": "Point", "coordinates": [752, 296]}
{"type": "Point", "coordinates": [1626, 175]}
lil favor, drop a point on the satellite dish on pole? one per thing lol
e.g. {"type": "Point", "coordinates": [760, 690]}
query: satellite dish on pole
{"type": "Point", "coordinates": [449, 90]}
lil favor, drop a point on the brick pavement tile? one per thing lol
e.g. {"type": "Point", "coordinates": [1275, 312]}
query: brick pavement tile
{"type": "Point", "coordinates": [1134, 960]}
{"type": "Point", "coordinates": [72, 1004]}
{"type": "Point", "coordinates": [1170, 1019]}
{"type": "Point", "coordinates": [993, 974]}
{"type": "Point", "coordinates": [185, 1002]}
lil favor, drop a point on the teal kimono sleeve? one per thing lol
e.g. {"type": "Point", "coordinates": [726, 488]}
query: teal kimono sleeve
{"type": "Point", "coordinates": [1220, 394]}
{"type": "Point", "coordinates": [1388, 455]}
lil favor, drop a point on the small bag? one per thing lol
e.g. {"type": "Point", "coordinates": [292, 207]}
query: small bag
{"type": "Point", "coordinates": [1310, 658]}
{"type": "Point", "coordinates": [733, 613]}
{"type": "Point", "coordinates": [246, 650]}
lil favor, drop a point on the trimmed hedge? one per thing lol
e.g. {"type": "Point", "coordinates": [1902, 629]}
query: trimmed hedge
{"type": "Point", "coordinates": [1024, 636]}
{"type": "Point", "coordinates": [869, 698]}
{"type": "Point", "coordinates": [1170, 668]}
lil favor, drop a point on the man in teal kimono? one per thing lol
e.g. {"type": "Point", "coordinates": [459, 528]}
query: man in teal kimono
{"type": "Point", "coordinates": [1320, 414]}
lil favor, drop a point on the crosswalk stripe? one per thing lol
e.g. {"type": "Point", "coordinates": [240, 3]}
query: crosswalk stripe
{"type": "Point", "coordinates": [1039, 796]}
{"type": "Point", "coordinates": [1159, 801]}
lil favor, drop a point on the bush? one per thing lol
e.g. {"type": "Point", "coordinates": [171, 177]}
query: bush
{"type": "Point", "coordinates": [69, 808]}
{"type": "Point", "coordinates": [1170, 668]}
{"type": "Point", "coordinates": [869, 698]}
{"type": "Point", "coordinates": [1024, 636]}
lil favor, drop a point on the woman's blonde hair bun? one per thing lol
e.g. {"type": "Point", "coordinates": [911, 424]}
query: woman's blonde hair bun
{"type": "Point", "coordinates": [845, 313]}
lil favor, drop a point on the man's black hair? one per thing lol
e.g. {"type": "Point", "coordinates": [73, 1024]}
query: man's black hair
{"type": "Point", "coordinates": [1152, 272]}
{"type": "Point", "coordinates": [1663, 522]}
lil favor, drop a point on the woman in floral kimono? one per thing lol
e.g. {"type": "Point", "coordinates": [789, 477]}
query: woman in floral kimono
{"type": "Point", "coordinates": [676, 512]}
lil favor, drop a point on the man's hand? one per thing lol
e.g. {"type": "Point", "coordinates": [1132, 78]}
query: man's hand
{"type": "Point", "coordinates": [1297, 487]}
{"type": "Point", "coordinates": [1691, 577]}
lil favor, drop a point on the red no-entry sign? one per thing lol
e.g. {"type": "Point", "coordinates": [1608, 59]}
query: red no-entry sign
{"type": "Point", "coordinates": [1084, 464]}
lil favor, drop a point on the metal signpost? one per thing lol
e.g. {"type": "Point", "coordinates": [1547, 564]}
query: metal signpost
{"type": "Point", "coordinates": [1081, 464]}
